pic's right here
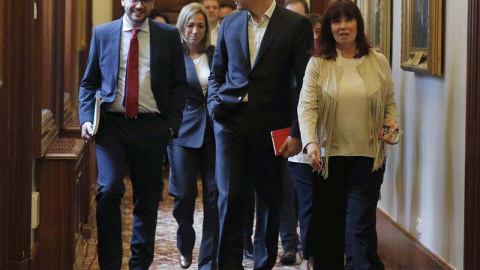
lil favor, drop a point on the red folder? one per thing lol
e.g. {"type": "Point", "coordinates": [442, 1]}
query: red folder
{"type": "Point", "coordinates": [278, 138]}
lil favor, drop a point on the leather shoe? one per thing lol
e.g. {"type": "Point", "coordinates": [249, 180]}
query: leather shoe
{"type": "Point", "coordinates": [185, 261]}
{"type": "Point", "coordinates": [289, 257]}
{"type": "Point", "coordinates": [248, 248]}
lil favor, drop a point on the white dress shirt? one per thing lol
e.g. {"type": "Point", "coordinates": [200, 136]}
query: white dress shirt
{"type": "Point", "coordinates": [256, 31]}
{"type": "Point", "coordinates": [203, 71]}
{"type": "Point", "coordinates": [146, 100]}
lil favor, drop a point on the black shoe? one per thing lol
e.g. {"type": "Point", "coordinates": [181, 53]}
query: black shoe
{"type": "Point", "coordinates": [289, 257]}
{"type": "Point", "coordinates": [248, 248]}
{"type": "Point", "coordinates": [185, 261]}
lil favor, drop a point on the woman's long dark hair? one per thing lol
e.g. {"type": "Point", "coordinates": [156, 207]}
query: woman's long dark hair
{"type": "Point", "coordinates": [326, 45]}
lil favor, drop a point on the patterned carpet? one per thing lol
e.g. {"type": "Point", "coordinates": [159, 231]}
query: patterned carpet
{"type": "Point", "coordinates": [166, 253]}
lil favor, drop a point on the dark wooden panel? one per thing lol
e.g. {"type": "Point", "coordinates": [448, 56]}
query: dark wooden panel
{"type": "Point", "coordinates": [60, 176]}
{"type": "Point", "coordinates": [71, 52]}
{"type": "Point", "coordinates": [16, 99]}
{"type": "Point", "coordinates": [50, 56]}
{"type": "Point", "coordinates": [319, 6]}
{"type": "Point", "coordinates": [399, 249]}
{"type": "Point", "coordinates": [472, 158]}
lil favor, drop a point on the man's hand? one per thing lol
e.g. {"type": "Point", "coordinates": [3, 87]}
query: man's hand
{"type": "Point", "coordinates": [86, 131]}
{"type": "Point", "coordinates": [290, 147]}
{"type": "Point", "coordinates": [314, 157]}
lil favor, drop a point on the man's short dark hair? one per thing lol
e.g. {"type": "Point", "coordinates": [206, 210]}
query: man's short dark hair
{"type": "Point", "coordinates": [224, 5]}
{"type": "Point", "coordinates": [303, 2]}
{"type": "Point", "coordinates": [155, 14]}
{"type": "Point", "coordinates": [314, 18]}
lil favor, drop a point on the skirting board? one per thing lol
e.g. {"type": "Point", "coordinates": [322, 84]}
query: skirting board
{"type": "Point", "coordinates": [400, 249]}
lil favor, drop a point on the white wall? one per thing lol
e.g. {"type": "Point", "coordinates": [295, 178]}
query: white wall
{"type": "Point", "coordinates": [102, 11]}
{"type": "Point", "coordinates": [425, 173]}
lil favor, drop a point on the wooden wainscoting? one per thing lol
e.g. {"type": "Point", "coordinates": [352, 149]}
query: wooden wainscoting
{"type": "Point", "coordinates": [401, 250]}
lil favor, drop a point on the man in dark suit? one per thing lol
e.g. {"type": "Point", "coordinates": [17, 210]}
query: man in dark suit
{"type": "Point", "coordinates": [261, 51]}
{"type": "Point", "coordinates": [136, 66]}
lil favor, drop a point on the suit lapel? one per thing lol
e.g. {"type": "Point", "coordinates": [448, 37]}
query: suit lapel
{"type": "Point", "coordinates": [194, 83]}
{"type": "Point", "coordinates": [274, 25]}
{"type": "Point", "coordinates": [154, 51]}
{"type": "Point", "coordinates": [117, 34]}
{"type": "Point", "coordinates": [209, 54]}
{"type": "Point", "coordinates": [243, 34]}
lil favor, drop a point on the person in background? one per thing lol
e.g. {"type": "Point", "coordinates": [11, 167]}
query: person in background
{"type": "Point", "coordinates": [261, 51]}
{"type": "Point", "coordinates": [225, 9]}
{"type": "Point", "coordinates": [346, 99]}
{"type": "Point", "coordinates": [213, 12]}
{"type": "Point", "coordinates": [141, 82]}
{"type": "Point", "coordinates": [193, 151]}
{"type": "Point", "coordinates": [300, 170]}
{"type": "Point", "coordinates": [299, 6]}
{"type": "Point", "coordinates": [316, 21]}
{"type": "Point", "coordinates": [159, 17]}
{"type": "Point", "coordinates": [289, 213]}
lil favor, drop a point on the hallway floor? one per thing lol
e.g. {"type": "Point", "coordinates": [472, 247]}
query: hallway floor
{"type": "Point", "coordinates": [396, 251]}
{"type": "Point", "coordinates": [166, 253]}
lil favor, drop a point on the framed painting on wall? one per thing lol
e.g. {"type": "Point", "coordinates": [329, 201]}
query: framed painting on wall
{"type": "Point", "coordinates": [378, 23]}
{"type": "Point", "coordinates": [422, 36]}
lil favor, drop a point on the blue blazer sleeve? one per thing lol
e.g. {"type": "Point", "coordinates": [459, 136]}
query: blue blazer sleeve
{"type": "Point", "coordinates": [92, 80]}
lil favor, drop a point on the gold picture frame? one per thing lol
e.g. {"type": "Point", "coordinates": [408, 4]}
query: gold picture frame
{"type": "Point", "coordinates": [422, 36]}
{"type": "Point", "coordinates": [377, 15]}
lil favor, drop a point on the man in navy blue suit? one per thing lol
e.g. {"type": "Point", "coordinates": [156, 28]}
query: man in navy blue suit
{"type": "Point", "coordinates": [261, 51]}
{"type": "Point", "coordinates": [136, 66]}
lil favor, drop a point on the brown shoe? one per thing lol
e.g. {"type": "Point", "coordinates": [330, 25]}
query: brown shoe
{"type": "Point", "coordinates": [185, 261]}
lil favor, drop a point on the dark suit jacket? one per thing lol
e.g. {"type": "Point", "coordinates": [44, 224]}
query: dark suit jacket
{"type": "Point", "coordinates": [167, 67]}
{"type": "Point", "coordinates": [282, 58]}
{"type": "Point", "coordinates": [194, 122]}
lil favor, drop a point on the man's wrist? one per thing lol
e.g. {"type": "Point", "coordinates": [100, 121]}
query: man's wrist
{"type": "Point", "coordinates": [171, 132]}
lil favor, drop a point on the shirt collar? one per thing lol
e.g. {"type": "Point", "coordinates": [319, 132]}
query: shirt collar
{"type": "Point", "coordinates": [145, 27]}
{"type": "Point", "coordinates": [267, 13]}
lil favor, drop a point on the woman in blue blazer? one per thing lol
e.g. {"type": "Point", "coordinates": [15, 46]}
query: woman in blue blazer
{"type": "Point", "coordinates": [193, 151]}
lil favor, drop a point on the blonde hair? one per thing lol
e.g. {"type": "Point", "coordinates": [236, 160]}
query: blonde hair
{"type": "Point", "coordinates": [188, 12]}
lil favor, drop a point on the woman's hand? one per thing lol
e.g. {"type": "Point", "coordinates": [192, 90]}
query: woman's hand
{"type": "Point", "coordinates": [387, 138]}
{"type": "Point", "coordinates": [314, 157]}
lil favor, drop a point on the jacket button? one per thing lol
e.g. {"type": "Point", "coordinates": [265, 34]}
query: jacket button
{"type": "Point", "coordinates": [204, 104]}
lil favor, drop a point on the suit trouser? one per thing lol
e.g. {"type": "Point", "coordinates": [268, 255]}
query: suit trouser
{"type": "Point", "coordinates": [350, 180]}
{"type": "Point", "coordinates": [302, 173]}
{"type": "Point", "coordinates": [288, 214]}
{"type": "Point", "coordinates": [185, 163]}
{"type": "Point", "coordinates": [238, 150]}
{"type": "Point", "coordinates": [249, 215]}
{"type": "Point", "coordinates": [139, 143]}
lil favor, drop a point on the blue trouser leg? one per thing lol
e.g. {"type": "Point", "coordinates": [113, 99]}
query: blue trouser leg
{"type": "Point", "coordinates": [141, 144]}
{"type": "Point", "coordinates": [302, 173]}
{"type": "Point", "coordinates": [363, 193]}
{"type": "Point", "coordinates": [288, 218]}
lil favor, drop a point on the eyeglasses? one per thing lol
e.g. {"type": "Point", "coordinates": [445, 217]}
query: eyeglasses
{"type": "Point", "coordinates": [145, 2]}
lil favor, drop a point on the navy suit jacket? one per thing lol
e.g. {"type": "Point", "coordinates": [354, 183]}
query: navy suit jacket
{"type": "Point", "coordinates": [194, 122]}
{"type": "Point", "coordinates": [272, 92]}
{"type": "Point", "coordinates": [167, 68]}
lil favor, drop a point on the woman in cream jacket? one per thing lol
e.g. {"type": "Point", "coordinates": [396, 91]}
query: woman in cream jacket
{"type": "Point", "coordinates": [346, 99]}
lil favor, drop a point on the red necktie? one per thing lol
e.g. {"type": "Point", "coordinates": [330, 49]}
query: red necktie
{"type": "Point", "coordinates": [131, 99]}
